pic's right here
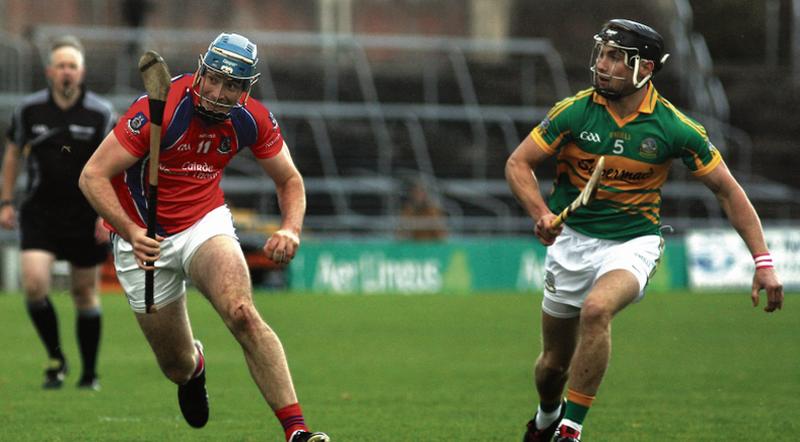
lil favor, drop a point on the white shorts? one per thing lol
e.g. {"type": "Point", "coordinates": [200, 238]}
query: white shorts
{"type": "Point", "coordinates": [575, 262]}
{"type": "Point", "coordinates": [172, 267]}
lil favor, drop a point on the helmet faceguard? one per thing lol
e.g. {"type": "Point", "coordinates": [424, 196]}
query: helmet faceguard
{"type": "Point", "coordinates": [635, 42]}
{"type": "Point", "coordinates": [232, 58]}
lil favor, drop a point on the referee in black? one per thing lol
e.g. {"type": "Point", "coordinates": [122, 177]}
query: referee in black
{"type": "Point", "coordinates": [54, 132]}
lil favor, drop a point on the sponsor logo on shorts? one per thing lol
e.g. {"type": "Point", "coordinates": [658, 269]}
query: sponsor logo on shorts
{"type": "Point", "coordinates": [649, 263]}
{"type": "Point", "coordinates": [550, 282]}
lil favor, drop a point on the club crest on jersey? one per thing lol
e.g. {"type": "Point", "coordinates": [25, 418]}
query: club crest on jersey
{"type": "Point", "coordinates": [224, 146]}
{"type": "Point", "coordinates": [648, 149]}
{"type": "Point", "coordinates": [135, 124]}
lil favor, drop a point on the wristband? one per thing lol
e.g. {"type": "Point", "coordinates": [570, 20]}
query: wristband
{"type": "Point", "coordinates": [289, 234]}
{"type": "Point", "coordinates": [763, 261]}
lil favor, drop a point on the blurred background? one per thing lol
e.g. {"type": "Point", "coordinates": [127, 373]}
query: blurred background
{"type": "Point", "coordinates": [380, 100]}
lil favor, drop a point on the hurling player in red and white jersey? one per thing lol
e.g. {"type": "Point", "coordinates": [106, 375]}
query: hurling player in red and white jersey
{"type": "Point", "coordinates": [208, 119]}
{"type": "Point", "coordinates": [192, 157]}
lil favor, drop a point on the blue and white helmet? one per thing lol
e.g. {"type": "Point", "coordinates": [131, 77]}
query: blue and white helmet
{"type": "Point", "coordinates": [235, 57]}
{"type": "Point", "coordinates": [232, 55]}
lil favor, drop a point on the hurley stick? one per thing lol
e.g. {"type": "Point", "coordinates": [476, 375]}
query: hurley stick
{"type": "Point", "coordinates": [156, 78]}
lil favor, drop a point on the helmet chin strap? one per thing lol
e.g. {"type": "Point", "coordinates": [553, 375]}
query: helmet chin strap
{"type": "Point", "coordinates": [209, 115]}
{"type": "Point", "coordinates": [636, 83]}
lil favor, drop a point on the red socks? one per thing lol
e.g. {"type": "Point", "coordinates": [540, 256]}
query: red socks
{"type": "Point", "coordinates": [291, 417]}
{"type": "Point", "coordinates": [201, 363]}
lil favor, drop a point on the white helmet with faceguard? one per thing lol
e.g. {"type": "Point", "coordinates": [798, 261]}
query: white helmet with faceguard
{"type": "Point", "coordinates": [233, 58]}
{"type": "Point", "coordinates": [635, 42]}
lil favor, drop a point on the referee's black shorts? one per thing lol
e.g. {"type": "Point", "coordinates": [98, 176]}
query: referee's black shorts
{"type": "Point", "coordinates": [75, 243]}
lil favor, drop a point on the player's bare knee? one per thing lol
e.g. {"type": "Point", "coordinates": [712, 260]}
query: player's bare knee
{"type": "Point", "coordinates": [595, 314]}
{"type": "Point", "coordinates": [177, 376]}
{"type": "Point", "coordinates": [85, 300]}
{"type": "Point", "coordinates": [34, 289]}
{"type": "Point", "coordinates": [244, 319]}
{"type": "Point", "coordinates": [178, 371]}
{"type": "Point", "coordinates": [550, 365]}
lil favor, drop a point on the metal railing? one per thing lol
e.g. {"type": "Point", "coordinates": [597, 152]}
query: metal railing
{"type": "Point", "coordinates": [15, 70]}
{"type": "Point", "coordinates": [698, 82]}
{"type": "Point", "coordinates": [338, 59]}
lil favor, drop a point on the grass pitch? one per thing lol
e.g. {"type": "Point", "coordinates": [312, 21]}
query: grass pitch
{"type": "Point", "coordinates": [685, 367]}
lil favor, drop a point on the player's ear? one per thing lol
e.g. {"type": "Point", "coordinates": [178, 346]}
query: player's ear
{"type": "Point", "coordinates": [646, 67]}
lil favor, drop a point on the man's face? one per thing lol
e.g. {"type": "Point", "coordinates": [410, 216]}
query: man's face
{"type": "Point", "coordinates": [65, 71]}
{"type": "Point", "coordinates": [219, 93]}
{"type": "Point", "coordinates": [611, 70]}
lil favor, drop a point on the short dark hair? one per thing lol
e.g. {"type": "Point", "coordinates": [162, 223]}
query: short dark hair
{"type": "Point", "coordinates": [67, 41]}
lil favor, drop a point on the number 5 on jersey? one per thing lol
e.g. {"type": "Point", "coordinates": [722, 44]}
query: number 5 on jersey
{"type": "Point", "coordinates": [619, 146]}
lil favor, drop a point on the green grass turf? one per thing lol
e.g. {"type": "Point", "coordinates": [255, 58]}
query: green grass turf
{"type": "Point", "coordinates": [685, 367]}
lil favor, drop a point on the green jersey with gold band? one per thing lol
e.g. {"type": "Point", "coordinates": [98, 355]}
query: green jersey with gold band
{"type": "Point", "coordinates": [638, 149]}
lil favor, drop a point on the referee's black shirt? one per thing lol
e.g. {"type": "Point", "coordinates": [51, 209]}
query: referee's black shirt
{"type": "Point", "coordinates": [66, 140]}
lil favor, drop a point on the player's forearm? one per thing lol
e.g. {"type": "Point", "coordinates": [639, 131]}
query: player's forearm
{"type": "Point", "coordinates": [101, 196]}
{"type": "Point", "coordinates": [743, 217]}
{"type": "Point", "coordinates": [292, 202]}
{"type": "Point", "coordinates": [525, 187]}
{"type": "Point", "coordinates": [10, 167]}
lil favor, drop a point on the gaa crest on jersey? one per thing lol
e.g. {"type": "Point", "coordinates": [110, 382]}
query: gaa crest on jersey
{"type": "Point", "coordinates": [224, 146]}
{"type": "Point", "coordinates": [648, 149]}
{"type": "Point", "coordinates": [136, 122]}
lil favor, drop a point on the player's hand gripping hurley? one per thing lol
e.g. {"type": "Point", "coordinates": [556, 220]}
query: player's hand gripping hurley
{"type": "Point", "coordinates": [586, 196]}
{"type": "Point", "coordinates": [156, 78]}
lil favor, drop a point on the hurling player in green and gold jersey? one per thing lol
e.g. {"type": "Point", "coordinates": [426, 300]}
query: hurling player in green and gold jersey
{"type": "Point", "coordinates": [600, 261]}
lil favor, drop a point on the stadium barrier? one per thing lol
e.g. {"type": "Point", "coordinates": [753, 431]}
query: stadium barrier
{"type": "Point", "coordinates": [508, 264]}
{"type": "Point", "coordinates": [703, 259]}
{"type": "Point", "coordinates": [707, 259]}
{"type": "Point", "coordinates": [718, 258]}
